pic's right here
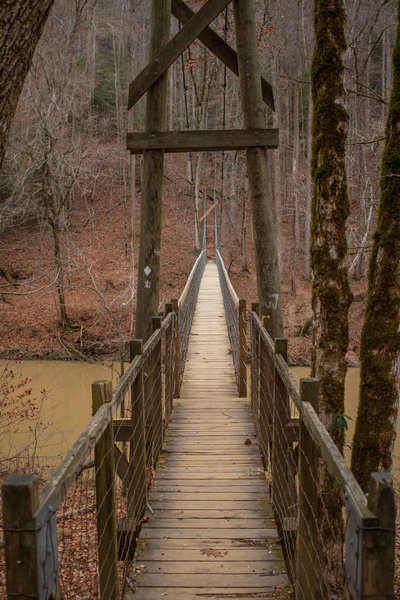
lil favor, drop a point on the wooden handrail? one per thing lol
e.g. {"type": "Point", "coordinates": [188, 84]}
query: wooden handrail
{"type": "Point", "coordinates": [182, 297]}
{"type": "Point", "coordinates": [227, 279]}
{"type": "Point", "coordinates": [335, 462]}
{"type": "Point", "coordinates": [70, 467]}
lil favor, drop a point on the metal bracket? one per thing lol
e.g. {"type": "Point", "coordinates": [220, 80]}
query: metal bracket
{"type": "Point", "coordinates": [45, 525]}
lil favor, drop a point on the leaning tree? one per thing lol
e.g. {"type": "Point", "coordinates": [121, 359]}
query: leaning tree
{"type": "Point", "coordinates": [380, 341]}
{"type": "Point", "coordinates": [21, 25]}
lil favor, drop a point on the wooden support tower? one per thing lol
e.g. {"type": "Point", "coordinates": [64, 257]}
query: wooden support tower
{"type": "Point", "coordinates": [254, 137]}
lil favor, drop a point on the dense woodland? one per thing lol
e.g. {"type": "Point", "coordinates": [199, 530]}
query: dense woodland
{"type": "Point", "coordinates": [70, 193]}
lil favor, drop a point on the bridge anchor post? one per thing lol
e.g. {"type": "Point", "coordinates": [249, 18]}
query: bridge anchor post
{"type": "Point", "coordinates": [105, 498]}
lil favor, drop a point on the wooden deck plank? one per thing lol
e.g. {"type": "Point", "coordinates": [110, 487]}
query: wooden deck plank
{"type": "Point", "coordinates": [151, 593]}
{"type": "Point", "coordinates": [210, 532]}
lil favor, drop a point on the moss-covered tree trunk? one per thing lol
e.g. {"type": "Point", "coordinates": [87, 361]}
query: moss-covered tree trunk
{"type": "Point", "coordinates": [331, 291]}
{"type": "Point", "coordinates": [380, 342]}
{"type": "Point", "coordinates": [330, 208]}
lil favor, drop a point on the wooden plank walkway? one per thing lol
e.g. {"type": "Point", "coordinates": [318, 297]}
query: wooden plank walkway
{"type": "Point", "coordinates": [212, 534]}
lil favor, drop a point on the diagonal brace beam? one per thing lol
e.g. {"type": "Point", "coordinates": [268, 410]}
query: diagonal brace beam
{"type": "Point", "coordinates": [174, 48]}
{"type": "Point", "coordinates": [219, 47]}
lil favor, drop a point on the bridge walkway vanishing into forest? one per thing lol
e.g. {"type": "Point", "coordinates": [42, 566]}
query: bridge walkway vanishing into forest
{"type": "Point", "coordinates": [212, 532]}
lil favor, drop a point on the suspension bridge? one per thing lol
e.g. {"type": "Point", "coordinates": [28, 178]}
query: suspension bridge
{"type": "Point", "coordinates": [198, 476]}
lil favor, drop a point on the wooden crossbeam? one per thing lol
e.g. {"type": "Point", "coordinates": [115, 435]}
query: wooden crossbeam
{"type": "Point", "coordinates": [209, 210]}
{"type": "Point", "coordinates": [219, 47]}
{"type": "Point", "coordinates": [174, 48]}
{"type": "Point", "coordinates": [202, 141]}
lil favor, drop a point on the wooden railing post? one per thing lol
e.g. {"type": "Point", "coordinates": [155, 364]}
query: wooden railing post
{"type": "Point", "coordinates": [379, 542]}
{"type": "Point", "coordinates": [175, 377]}
{"type": "Point", "coordinates": [20, 503]}
{"type": "Point", "coordinates": [306, 541]}
{"type": "Point", "coordinates": [281, 347]}
{"type": "Point", "coordinates": [242, 369]}
{"type": "Point", "coordinates": [157, 401]}
{"type": "Point", "coordinates": [255, 307]}
{"type": "Point", "coordinates": [105, 498]}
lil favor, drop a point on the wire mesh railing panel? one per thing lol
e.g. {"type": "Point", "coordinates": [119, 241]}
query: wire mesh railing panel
{"type": "Point", "coordinates": [231, 305]}
{"type": "Point", "coordinates": [89, 511]}
{"type": "Point", "coordinates": [152, 374]}
{"type": "Point", "coordinates": [186, 307]}
{"type": "Point", "coordinates": [265, 401]}
{"type": "Point", "coordinates": [168, 369]}
{"type": "Point", "coordinates": [77, 535]}
{"type": "Point", "coordinates": [321, 513]}
{"type": "Point", "coordinates": [236, 320]}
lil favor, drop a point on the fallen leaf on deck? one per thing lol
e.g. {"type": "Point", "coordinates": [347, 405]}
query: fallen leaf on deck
{"type": "Point", "coordinates": [211, 552]}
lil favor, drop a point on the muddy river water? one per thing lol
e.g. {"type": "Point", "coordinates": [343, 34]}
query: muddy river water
{"type": "Point", "coordinates": [66, 407]}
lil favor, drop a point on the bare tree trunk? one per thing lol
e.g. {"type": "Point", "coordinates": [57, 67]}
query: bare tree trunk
{"type": "Point", "coordinates": [267, 264]}
{"type": "Point", "coordinates": [307, 230]}
{"type": "Point", "coordinates": [21, 25]}
{"type": "Point", "coordinates": [197, 199]}
{"type": "Point", "coordinates": [55, 229]}
{"type": "Point", "coordinates": [245, 267]}
{"type": "Point", "coordinates": [380, 341]}
{"type": "Point", "coordinates": [295, 172]}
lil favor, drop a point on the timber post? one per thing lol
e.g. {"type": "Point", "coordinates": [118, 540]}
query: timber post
{"type": "Point", "coordinates": [268, 278]}
{"type": "Point", "coordinates": [148, 287]}
{"type": "Point", "coordinates": [379, 542]}
{"type": "Point", "coordinates": [281, 347]}
{"type": "Point", "coordinates": [157, 400]}
{"type": "Point", "coordinates": [176, 349]}
{"type": "Point", "coordinates": [105, 498]}
{"type": "Point", "coordinates": [242, 369]}
{"type": "Point", "coordinates": [306, 541]}
{"type": "Point", "coordinates": [20, 503]}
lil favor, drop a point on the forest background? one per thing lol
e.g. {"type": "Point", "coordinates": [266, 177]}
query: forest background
{"type": "Point", "coordinates": [70, 192]}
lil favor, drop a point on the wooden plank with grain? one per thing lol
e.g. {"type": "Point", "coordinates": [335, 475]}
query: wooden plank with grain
{"type": "Point", "coordinates": [210, 532]}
